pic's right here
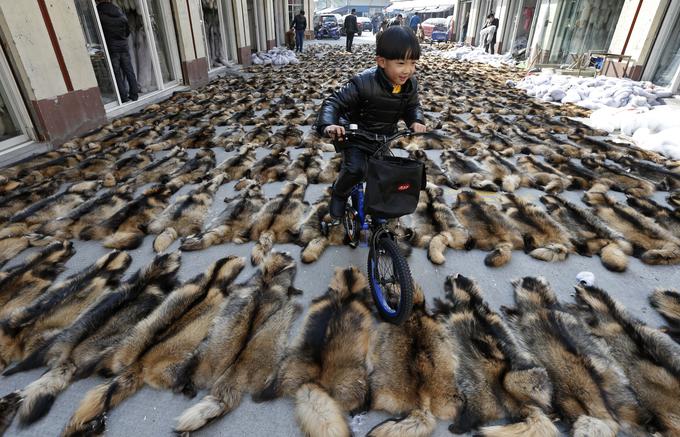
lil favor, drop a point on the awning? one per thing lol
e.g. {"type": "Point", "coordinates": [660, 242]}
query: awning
{"type": "Point", "coordinates": [424, 6]}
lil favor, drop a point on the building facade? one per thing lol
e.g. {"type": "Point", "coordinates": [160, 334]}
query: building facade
{"type": "Point", "coordinates": [56, 75]}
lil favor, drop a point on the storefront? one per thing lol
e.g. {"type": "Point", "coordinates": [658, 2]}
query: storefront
{"type": "Point", "coordinates": [15, 124]}
{"type": "Point", "coordinates": [521, 17]}
{"type": "Point", "coordinates": [663, 66]}
{"type": "Point", "coordinates": [571, 27]}
{"type": "Point", "coordinates": [219, 32]}
{"type": "Point", "coordinates": [152, 42]}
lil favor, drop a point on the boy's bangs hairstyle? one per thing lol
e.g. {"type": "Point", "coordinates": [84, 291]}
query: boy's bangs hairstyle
{"type": "Point", "coordinates": [398, 42]}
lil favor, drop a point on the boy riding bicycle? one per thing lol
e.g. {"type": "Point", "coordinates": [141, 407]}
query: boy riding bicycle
{"type": "Point", "coordinates": [375, 100]}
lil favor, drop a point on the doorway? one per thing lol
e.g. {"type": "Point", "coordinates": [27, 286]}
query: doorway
{"type": "Point", "coordinates": [15, 123]}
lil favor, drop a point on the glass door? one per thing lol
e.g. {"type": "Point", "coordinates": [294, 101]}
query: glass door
{"type": "Point", "coordinates": [464, 20]}
{"type": "Point", "coordinates": [213, 31]}
{"type": "Point", "coordinates": [15, 123]}
{"type": "Point", "coordinates": [668, 68]}
{"type": "Point", "coordinates": [163, 41]}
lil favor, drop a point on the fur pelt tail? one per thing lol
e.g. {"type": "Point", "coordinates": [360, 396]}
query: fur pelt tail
{"type": "Point", "coordinates": [209, 408]}
{"type": "Point", "coordinates": [39, 396]}
{"type": "Point", "coordinates": [667, 303]}
{"type": "Point", "coordinates": [164, 240]}
{"type": "Point", "coordinates": [90, 417]}
{"type": "Point", "coordinates": [419, 423]}
{"type": "Point", "coordinates": [127, 240]}
{"type": "Point", "coordinates": [535, 424]}
{"type": "Point", "coordinates": [262, 248]}
{"type": "Point", "coordinates": [8, 408]}
{"type": "Point", "coordinates": [499, 256]}
{"type": "Point", "coordinates": [314, 249]}
{"type": "Point", "coordinates": [318, 414]}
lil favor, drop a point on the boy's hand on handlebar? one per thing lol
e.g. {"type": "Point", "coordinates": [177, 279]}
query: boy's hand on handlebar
{"type": "Point", "coordinates": [418, 128]}
{"type": "Point", "coordinates": [334, 131]}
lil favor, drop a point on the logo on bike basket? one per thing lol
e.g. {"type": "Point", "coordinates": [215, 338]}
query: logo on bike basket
{"type": "Point", "coordinates": [403, 187]}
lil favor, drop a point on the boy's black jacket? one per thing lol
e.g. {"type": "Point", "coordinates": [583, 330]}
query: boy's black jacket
{"type": "Point", "coordinates": [367, 100]}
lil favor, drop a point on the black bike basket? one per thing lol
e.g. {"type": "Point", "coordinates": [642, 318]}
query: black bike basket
{"type": "Point", "coordinates": [393, 186]}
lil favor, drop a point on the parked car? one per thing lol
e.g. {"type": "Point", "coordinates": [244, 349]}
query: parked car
{"type": "Point", "coordinates": [434, 24]}
{"type": "Point", "coordinates": [327, 19]}
{"type": "Point", "coordinates": [364, 24]}
{"type": "Point", "coordinates": [342, 23]}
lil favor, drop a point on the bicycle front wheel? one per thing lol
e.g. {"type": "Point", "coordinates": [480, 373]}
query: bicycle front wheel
{"type": "Point", "coordinates": [390, 281]}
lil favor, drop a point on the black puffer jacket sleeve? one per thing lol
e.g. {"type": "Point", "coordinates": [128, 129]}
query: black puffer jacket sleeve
{"type": "Point", "coordinates": [339, 104]}
{"type": "Point", "coordinates": [414, 112]}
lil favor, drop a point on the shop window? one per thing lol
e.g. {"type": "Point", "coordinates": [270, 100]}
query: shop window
{"type": "Point", "coordinates": [15, 123]}
{"type": "Point", "coordinates": [294, 7]}
{"type": "Point", "coordinates": [669, 61]}
{"type": "Point", "coordinates": [213, 28]}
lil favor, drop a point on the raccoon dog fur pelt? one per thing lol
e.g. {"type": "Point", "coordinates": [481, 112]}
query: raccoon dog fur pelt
{"type": "Point", "coordinates": [312, 235]}
{"type": "Point", "coordinates": [496, 377]}
{"type": "Point", "coordinates": [412, 373]}
{"type": "Point", "coordinates": [245, 344]}
{"type": "Point", "coordinates": [325, 368]}
{"type": "Point", "coordinates": [667, 303]}
{"type": "Point", "coordinates": [649, 358]}
{"type": "Point", "coordinates": [590, 390]}
{"type": "Point", "coordinates": [158, 344]}
{"type": "Point", "coordinates": [85, 345]}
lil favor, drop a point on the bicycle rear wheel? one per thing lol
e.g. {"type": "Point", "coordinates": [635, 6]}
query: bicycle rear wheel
{"type": "Point", "coordinates": [390, 281]}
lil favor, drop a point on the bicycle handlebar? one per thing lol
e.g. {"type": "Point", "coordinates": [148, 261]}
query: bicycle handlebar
{"type": "Point", "coordinates": [383, 139]}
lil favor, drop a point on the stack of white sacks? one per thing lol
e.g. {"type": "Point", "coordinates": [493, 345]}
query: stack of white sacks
{"type": "Point", "coordinates": [275, 56]}
{"type": "Point", "coordinates": [476, 54]}
{"type": "Point", "coordinates": [620, 106]}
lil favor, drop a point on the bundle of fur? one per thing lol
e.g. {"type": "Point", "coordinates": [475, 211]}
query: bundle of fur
{"type": "Point", "coordinates": [666, 217]}
{"type": "Point", "coordinates": [239, 165]}
{"type": "Point", "coordinates": [309, 163]}
{"type": "Point", "coordinates": [496, 378]}
{"type": "Point", "coordinates": [325, 368]}
{"type": "Point", "coordinates": [245, 344]}
{"type": "Point", "coordinates": [158, 344]}
{"type": "Point", "coordinates": [272, 167]}
{"type": "Point", "coordinates": [312, 235]}
{"type": "Point", "coordinates": [649, 359]}
{"type": "Point", "coordinates": [667, 303]}
{"type": "Point", "coordinates": [467, 171]}
{"type": "Point", "coordinates": [193, 170]}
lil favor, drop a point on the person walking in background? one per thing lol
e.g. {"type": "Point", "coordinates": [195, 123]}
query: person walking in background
{"type": "Point", "coordinates": [397, 21]}
{"type": "Point", "coordinates": [116, 31]}
{"type": "Point", "coordinates": [350, 26]}
{"type": "Point", "coordinates": [375, 22]}
{"type": "Point", "coordinates": [300, 25]}
{"type": "Point", "coordinates": [414, 22]}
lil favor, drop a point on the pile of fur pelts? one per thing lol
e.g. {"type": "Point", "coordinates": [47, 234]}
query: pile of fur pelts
{"type": "Point", "coordinates": [589, 364]}
{"type": "Point", "coordinates": [275, 56]}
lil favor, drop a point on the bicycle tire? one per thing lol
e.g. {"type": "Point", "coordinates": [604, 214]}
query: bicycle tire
{"type": "Point", "coordinates": [403, 276]}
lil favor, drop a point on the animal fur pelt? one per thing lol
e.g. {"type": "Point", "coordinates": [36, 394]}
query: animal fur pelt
{"type": "Point", "coordinates": [496, 378]}
{"type": "Point", "coordinates": [325, 368]}
{"type": "Point", "coordinates": [544, 238]}
{"type": "Point", "coordinates": [435, 227]}
{"type": "Point", "coordinates": [245, 345]}
{"type": "Point", "coordinates": [87, 345]}
{"type": "Point", "coordinates": [279, 219]}
{"type": "Point", "coordinates": [259, 135]}
{"type": "Point", "coordinates": [186, 214]}
{"type": "Point", "coordinates": [312, 235]}
{"type": "Point", "coordinates": [589, 234]}
{"type": "Point", "coordinates": [272, 167]}
{"type": "Point", "coordinates": [158, 170]}
{"type": "Point", "coordinates": [649, 358]}
{"type": "Point", "coordinates": [331, 170]}
{"type": "Point", "coordinates": [590, 390]}
{"type": "Point", "coordinates": [17, 240]}
{"type": "Point", "coordinates": [666, 217]}
{"type": "Point", "coordinates": [468, 172]}
{"type": "Point", "coordinates": [412, 370]}
{"type": "Point", "coordinates": [18, 199]}
{"type": "Point", "coordinates": [667, 303]}
{"type": "Point", "coordinates": [237, 166]}
{"type": "Point", "coordinates": [26, 327]}
{"type": "Point", "coordinates": [621, 180]}
{"type": "Point", "coordinates": [125, 228]}
{"type": "Point", "coordinates": [489, 228]}
{"type": "Point", "coordinates": [156, 346]}
{"type": "Point", "coordinates": [290, 136]}
{"type": "Point", "coordinates": [193, 170]}
{"type": "Point", "coordinates": [309, 163]}
{"type": "Point", "coordinates": [543, 176]}
{"type": "Point", "coordinates": [233, 222]}
{"type": "Point", "coordinates": [435, 174]}
{"type": "Point", "coordinates": [651, 242]}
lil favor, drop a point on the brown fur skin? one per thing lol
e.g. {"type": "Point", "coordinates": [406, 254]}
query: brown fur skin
{"type": "Point", "coordinates": [311, 235]}
{"type": "Point", "coordinates": [13, 202]}
{"type": "Point", "coordinates": [271, 167]}
{"type": "Point", "coordinates": [412, 371]}
{"type": "Point", "coordinates": [124, 229]}
{"type": "Point", "coordinates": [325, 367]}
{"type": "Point", "coordinates": [589, 234]}
{"type": "Point", "coordinates": [186, 214]}
{"type": "Point", "coordinates": [435, 174]}
{"type": "Point", "coordinates": [87, 344]}
{"type": "Point", "coordinates": [496, 377]}
{"type": "Point", "coordinates": [653, 243]}
{"type": "Point", "coordinates": [621, 179]}
{"type": "Point", "coordinates": [543, 176]}
{"type": "Point", "coordinates": [233, 222]}
{"type": "Point", "coordinates": [544, 238]}
{"type": "Point", "coordinates": [489, 228]}
{"type": "Point", "coordinates": [158, 344]}
{"type": "Point", "coordinates": [309, 163]}
{"type": "Point", "coordinates": [281, 216]}
{"type": "Point", "coordinates": [193, 170]}
{"type": "Point", "coordinates": [237, 166]}
{"type": "Point", "coordinates": [435, 227]}
{"type": "Point", "coordinates": [667, 303]}
{"type": "Point", "coordinates": [649, 359]}
{"type": "Point", "coordinates": [13, 244]}
{"type": "Point", "coordinates": [469, 173]}
{"type": "Point", "coordinates": [330, 171]}
{"type": "Point", "coordinates": [25, 328]}
{"type": "Point", "coordinates": [590, 390]}
{"type": "Point", "coordinates": [245, 345]}
{"type": "Point", "coordinates": [666, 217]}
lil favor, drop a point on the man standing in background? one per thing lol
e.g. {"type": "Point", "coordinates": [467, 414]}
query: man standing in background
{"type": "Point", "coordinates": [116, 32]}
{"type": "Point", "coordinates": [351, 28]}
{"type": "Point", "coordinates": [414, 22]}
{"type": "Point", "coordinates": [300, 25]}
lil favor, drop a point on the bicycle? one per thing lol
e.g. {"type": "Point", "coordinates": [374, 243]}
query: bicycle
{"type": "Point", "coordinates": [389, 275]}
